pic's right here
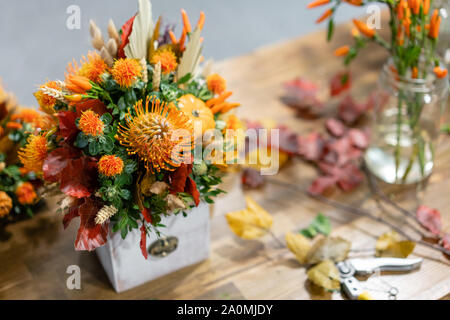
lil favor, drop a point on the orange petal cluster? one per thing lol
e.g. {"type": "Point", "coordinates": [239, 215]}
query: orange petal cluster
{"type": "Point", "coordinates": [33, 154]}
{"type": "Point", "coordinates": [91, 124]}
{"type": "Point", "coordinates": [216, 83]}
{"type": "Point", "coordinates": [126, 72]}
{"type": "Point", "coordinates": [26, 194]}
{"type": "Point", "coordinates": [110, 165]}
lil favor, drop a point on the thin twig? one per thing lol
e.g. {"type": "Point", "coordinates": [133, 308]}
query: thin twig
{"type": "Point", "coordinates": [379, 195]}
{"type": "Point", "coordinates": [356, 211]}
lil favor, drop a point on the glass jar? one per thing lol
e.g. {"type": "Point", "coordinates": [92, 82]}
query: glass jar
{"type": "Point", "coordinates": [408, 114]}
{"type": "Point", "coordinates": [444, 34]}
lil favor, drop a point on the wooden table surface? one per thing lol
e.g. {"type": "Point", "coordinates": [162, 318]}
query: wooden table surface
{"type": "Point", "coordinates": [35, 257]}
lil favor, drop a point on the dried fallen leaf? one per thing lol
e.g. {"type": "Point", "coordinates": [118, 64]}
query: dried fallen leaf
{"type": "Point", "coordinates": [390, 244]}
{"type": "Point", "coordinates": [325, 275]}
{"type": "Point", "coordinates": [299, 245]}
{"type": "Point", "coordinates": [250, 223]}
{"type": "Point", "coordinates": [329, 248]}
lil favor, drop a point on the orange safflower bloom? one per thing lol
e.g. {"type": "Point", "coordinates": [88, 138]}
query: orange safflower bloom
{"type": "Point", "coordinates": [33, 154]}
{"type": "Point", "coordinates": [216, 83]}
{"type": "Point", "coordinates": [435, 23]}
{"type": "Point", "coordinates": [91, 124]}
{"type": "Point", "coordinates": [5, 204]}
{"type": "Point", "coordinates": [325, 15]}
{"type": "Point", "coordinates": [201, 20]}
{"type": "Point", "coordinates": [92, 67]}
{"type": "Point", "coordinates": [317, 3]}
{"type": "Point", "coordinates": [25, 193]}
{"type": "Point", "coordinates": [14, 125]}
{"type": "Point", "coordinates": [167, 58]}
{"type": "Point", "coordinates": [161, 136]}
{"type": "Point", "coordinates": [342, 51]}
{"type": "Point", "coordinates": [186, 22]}
{"type": "Point", "coordinates": [440, 72]}
{"type": "Point", "coordinates": [77, 84]}
{"type": "Point", "coordinates": [110, 165]}
{"type": "Point", "coordinates": [355, 33]}
{"type": "Point", "coordinates": [45, 101]}
{"type": "Point", "coordinates": [31, 116]}
{"type": "Point", "coordinates": [414, 5]}
{"type": "Point", "coordinates": [414, 73]}
{"type": "Point", "coordinates": [354, 2]}
{"type": "Point", "coordinates": [364, 29]}
{"type": "Point", "coordinates": [426, 7]}
{"type": "Point", "coordinates": [126, 72]}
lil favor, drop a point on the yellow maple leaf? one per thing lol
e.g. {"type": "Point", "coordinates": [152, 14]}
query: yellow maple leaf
{"type": "Point", "coordinates": [250, 223]}
{"type": "Point", "coordinates": [325, 275]}
{"type": "Point", "coordinates": [299, 245]}
{"type": "Point", "coordinates": [390, 244]}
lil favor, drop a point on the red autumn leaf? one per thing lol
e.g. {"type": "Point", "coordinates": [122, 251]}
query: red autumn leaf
{"type": "Point", "coordinates": [178, 178]}
{"type": "Point", "coordinates": [321, 184]}
{"type": "Point", "coordinates": [446, 241]}
{"type": "Point", "coordinates": [335, 127]}
{"type": "Point", "coordinates": [73, 213]}
{"type": "Point", "coordinates": [311, 146]}
{"type": "Point", "coordinates": [338, 152]}
{"type": "Point", "coordinates": [143, 242]}
{"type": "Point", "coordinates": [126, 31]}
{"type": "Point", "coordinates": [252, 178]}
{"type": "Point", "coordinates": [287, 142]}
{"type": "Point", "coordinates": [430, 219]}
{"type": "Point", "coordinates": [350, 111]}
{"type": "Point", "coordinates": [359, 138]}
{"type": "Point", "coordinates": [67, 127]}
{"type": "Point", "coordinates": [340, 82]}
{"type": "Point", "coordinates": [56, 161]}
{"type": "Point", "coordinates": [78, 178]}
{"type": "Point", "coordinates": [347, 177]}
{"type": "Point", "coordinates": [301, 95]}
{"type": "Point", "coordinates": [91, 104]}
{"type": "Point", "coordinates": [147, 215]}
{"type": "Point", "coordinates": [90, 235]}
{"type": "Point", "coordinates": [3, 110]}
{"type": "Point", "coordinates": [191, 188]}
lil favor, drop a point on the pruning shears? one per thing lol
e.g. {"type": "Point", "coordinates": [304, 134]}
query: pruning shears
{"type": "Point", "coordinates": [354, 289]}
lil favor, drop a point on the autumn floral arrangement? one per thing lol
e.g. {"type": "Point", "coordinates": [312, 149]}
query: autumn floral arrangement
{"type": "Point", "coordinates": [414, 84]}
{"type": "Point", "coordinates": [18, 194]}
{"type": "Point", "coordinates": [130, 118]}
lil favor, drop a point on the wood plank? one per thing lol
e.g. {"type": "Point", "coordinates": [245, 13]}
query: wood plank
{"type": "Point", "coordinates": [35, 258]}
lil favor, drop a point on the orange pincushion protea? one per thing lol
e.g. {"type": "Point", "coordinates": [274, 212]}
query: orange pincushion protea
{"type": "Point", "coordinates": [167, 58]}
{"type": "Point", "coordinates": [34, 153]}
{"type": "Point", "coordinates": [126, 72]}
{"type": "Point", "coordinates": [91, 124]}
{"type": "Point", "coordinates": [92, 67]}
{"type": "Point", "coordinates": [110, 165]}
{"type": "Point", "coordinates": [25, 193]}
{"type": "Point", "coordinates": [47, 102]}
{"type": "Point", "coordinates": [161, 136]}
{"type": "Point", "coordinates": [216, 83]}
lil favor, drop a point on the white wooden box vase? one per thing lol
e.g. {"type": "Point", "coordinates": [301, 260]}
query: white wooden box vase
{"type": "Point", "coordinates": [127, 268]}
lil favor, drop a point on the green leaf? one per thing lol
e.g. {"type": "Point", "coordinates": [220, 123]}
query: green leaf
{"type": "Point", "coordinates": [121, 103]}
{"type": "Point", "coordinates": [106, 118]}
{"type": "Point", "coordinates": [185, 78]}
{"type": "Point", "coordinates": [81, 141]}
{"type": "Point", "coordinates": [321, 224]}
{"type": "Point", "coordinates": [330, 30]}
{"type": "Point", "coordinates": [126, 194]}
{"type": "Point", "coordinates": [108, 144]}
{"type": "Point", "coordinates": [309, 232]}
{"type": "Point", "coordinates": [94, 148]}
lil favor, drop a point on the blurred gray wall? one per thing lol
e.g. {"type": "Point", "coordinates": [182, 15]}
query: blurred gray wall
{"type": "Point", "coordinates": [36, 45]}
